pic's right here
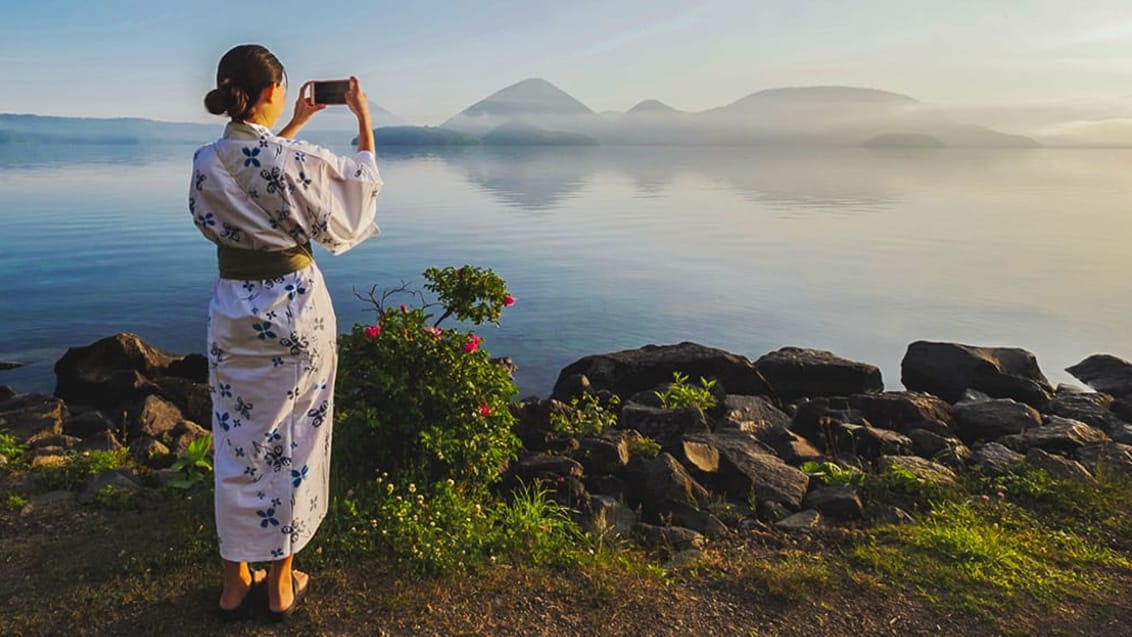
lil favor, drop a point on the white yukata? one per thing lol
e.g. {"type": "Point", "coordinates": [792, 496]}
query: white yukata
{"type": "Point", "coordinates": [272, 343]}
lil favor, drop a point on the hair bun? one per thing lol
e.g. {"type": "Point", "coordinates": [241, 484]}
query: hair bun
{"type": "Point", "coordinates": [227, 98]}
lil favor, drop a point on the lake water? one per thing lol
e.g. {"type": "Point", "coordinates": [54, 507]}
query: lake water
{"type": "Point", "coordinates": [852, 250]}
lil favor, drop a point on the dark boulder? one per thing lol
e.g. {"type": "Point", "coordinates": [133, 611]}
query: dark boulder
{"type": "Point", "coordinates": [193, 399]}
{"type": "Point", "coordinates": [673, 538]}
{"type": "Point", "coordinates": [151, 452]}
{"type": "Point", "coordinates": [191, 367]}
{"type": "Point", "coordinates": [666, 481]}
{"type": "Point", "coordinates": [839, 502]}
{"type": "Point", "coordinates": [544, 467]}
{"type": "Point", "coordinates": [6, 393]}
{"type": "Point", "coordinates": [815, 419]}
{"type": "Point", "coordinates": [1107, 459]}
{"type": "Point", "coordinates": [1058, 435]}
{"type": "Point", "coordinates": [947, 370]}
{"type": "Point", "coordinates": [869, 442]}
{"type": "Point", "coordinates": [994, 459]}
{"type": "Point", "coordinates": [799, 522]}
{"type": "Point", "coordinates": [796, 373]}
{"type": "Point", "coordinates": [993, 419]}
{"type": "Point", "coordinates": [665, 426]}
{"type": "Point", "coordinates": [1058, 467]}
{"type": "Point", "coordinates": [926, 470]}
{"type": "Point", "coordinates": [183, 434]}
{"type": "Point", "coordinates": [627, 372]}
{"type": "Point", "coordinates": [121, 481]}
{"type": "Point", "coordinates": [571, 387]}
{"type": "Point", "coordinates": [29, 415]}
{"type": "Point", "coordinates": [796, 450]}
{"type": "Point", "coordinates": [109, 371]}
{"type": "Point", "coordinates": [736, 464]}
{"type": "Point", "coordinates": [1093, 409]}
{"type": "Point", "coordinates": [901, 410]}
{"type": "Point", "coordinates": [87, 424]}
{"type": "Point", "coordinates": [156, 418]}
{"type": "Point", "coordinates": [1105, 373]}
{"type": "Point", "coordinates": [608, 514]}
{"type": "Point", "coordinates": [687, 516]}
{"type": "Point", "coordinates": [752, 414]}
{"type": "Point", "coordinates": [607, 453]}
{"type": "Point", "coordinates": [101, 441]}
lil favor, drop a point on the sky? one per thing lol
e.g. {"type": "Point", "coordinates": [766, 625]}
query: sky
{"type": "Point", "coordinates": [426, 60]}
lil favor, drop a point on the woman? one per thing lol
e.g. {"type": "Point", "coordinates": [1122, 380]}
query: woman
{"type": "Point", "coordinates": [262, 198]}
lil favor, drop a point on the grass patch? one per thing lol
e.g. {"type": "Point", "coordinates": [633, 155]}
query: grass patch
{"type": "Point", "coordinates": [79, 465]}
{"type": "Point", "coordinates": [10, 448]}
{"type": "Point", "coordinates": [791, 577]}
{"type": "Point", "coordinates": [978, 556]}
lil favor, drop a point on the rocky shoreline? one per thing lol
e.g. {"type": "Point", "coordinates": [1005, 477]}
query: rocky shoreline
{"type": "Point", "coordinates": [718, 471]}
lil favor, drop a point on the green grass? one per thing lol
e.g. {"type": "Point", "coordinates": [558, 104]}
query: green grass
{"type": "Point", "coordinates": [10, 448]}
{"type": "Point", "coordinates": [79, 465]}
{"type": "Point", "coordinates": [979, 556]}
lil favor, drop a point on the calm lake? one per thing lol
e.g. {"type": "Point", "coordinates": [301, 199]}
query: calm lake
{"type": "Point", "coordinates": [852, 250]}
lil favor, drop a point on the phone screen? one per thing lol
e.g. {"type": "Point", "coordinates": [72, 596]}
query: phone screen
{"type": "Point", "coordinates": [330, 92]}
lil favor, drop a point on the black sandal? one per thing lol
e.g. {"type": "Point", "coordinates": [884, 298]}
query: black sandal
{"type": "Point", "coordinates": [246, 609]}
{"type": "Point", "coordinates": [296, 597]}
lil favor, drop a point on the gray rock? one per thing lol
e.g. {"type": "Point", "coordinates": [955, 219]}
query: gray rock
{"type": "Point", "coordinates": [103, 441]}
{"type": "Point", "coordinates": [751, 414]}
{"type": "Point", "coordinates": [870, 442]}
{"type": "Point", "coordinates": [796, 372]}
{"type": "Point", "coordinates": [667, 481]}
{"type": "Point", "coordinates": [841, 502]}
{"type": "Point", "coordinates": [796, 450]}
{"type": "Point", "coordinates": [901, 410]}
{"type": "Point", "coordinates": [49, 503]}
{"type": "Point", "coordinates": [889, 514]}
{"type": "Point", "coordinates": [543, 466]}
{"type": "Point", "coordinates": [151, 453]}
{"type": "Point", "coordinates": [736, 463]}
{"type": "Point", "coordinates": [156, 418]}
{"type": "Point", "coordinates": [185, 433]}
{"type": "Point", "coordinates": [801, 521]}
{"type": "Point", "coordinates": [1058, 467]}
{"type": "Point", "coordinates": [627, 372]}
{"type": "Point", "coordinates": [994, 419]}
{"type": "Point", "coordinates": [1107, 460]}
{"type": "Point", "coordinates": [117, 479]}
{"type": "Point", "coordinates": [4, 365]}
{"type": "Point", "coordinates": [62, 441]}
{"type": "Point", "coordinates": [974, 396]}
{"type": "Point", "coordinates": [947, 370]}
{"type": "Point", "coordinates": [771, 511]}
{"type": "Point", "coordinates": [1105, 373]}
{"type": "Point", "coordinates": [571, 387]}
{"type": "Point", "coordinates": [6, 393]}
{"type": "Point", "coordinates": [193, 399]}
{"type": "Point", "coordinates": [110, 371]}
{"type": "Point", "coordinates": [1059, 435]}
{"type": "Point", "coordinates": [29, 415]}
{"type": "Point", "coordinates": [994, 459]}
{"type": "Point", "coordinates": [608, 514]}
{"type": "Point", "coordinates": [1065, 389]}
{"type": "Point", "coordinates": [668, 537]}
{"type": "Point", "coordinates": [1093, 409]}
{"type": "Point", "coordinates": [665, 426]}
{"type": "Point", "coordinates": [927, 444]}
{"type": "Point", "coordinates": [87, 424]}
{"type": "Point", "coordinates": [191, 367]}
{"type": "Point", "coordinates": [607, 453]}
{"type": "Point", "coordinates": [927, 470]}
{"type": "Point", "coordinates": [700, 521]}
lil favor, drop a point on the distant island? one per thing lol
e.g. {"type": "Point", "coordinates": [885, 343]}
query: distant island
{"type": "Point", "coordinates": [904, 140]}
{"type": "Point", "coordinates": [535, 112]}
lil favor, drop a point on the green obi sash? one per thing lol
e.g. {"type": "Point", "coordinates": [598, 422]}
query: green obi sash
{"type": "Point", "coordinates": [257, 265]}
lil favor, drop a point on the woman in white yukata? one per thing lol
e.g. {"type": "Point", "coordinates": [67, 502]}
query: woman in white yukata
{"type": "Point", "coordinates": [262, 198]}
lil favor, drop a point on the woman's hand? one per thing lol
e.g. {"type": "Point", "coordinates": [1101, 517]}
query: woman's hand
{"type": "Point", "coordinates": [358, 102]}
{"type": "Point", "coordinates": [305, 108]}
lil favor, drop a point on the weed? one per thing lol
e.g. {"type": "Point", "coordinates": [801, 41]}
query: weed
{"type": "Point", "coordinates": [588, 417]}
{"type": "Point", "coordinates": [680, 394]}
{"type": "Point", "coordinates": [10, 448]}
{"type": "Point", "coordinates": [832, 474]}
{"type": "Point", "coordinates": [643, 447]}
{"type": "Point", "coordinates": [193, 465]}
{"type": "Point", "coordinates": [15, 502]}
{"type": "Point", "coordinates": [79, 465]}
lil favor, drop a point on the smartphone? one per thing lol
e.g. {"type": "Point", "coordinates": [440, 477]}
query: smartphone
{"type": "Point", "coordinates": [330, 91]}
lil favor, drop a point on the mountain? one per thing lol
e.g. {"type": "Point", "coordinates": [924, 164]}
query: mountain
{"type": "Point", "coordinates": [20, 128]}
{"type": "Point", "coordinates": [652, 107]}
{"type": "Point", "coordinates": [533, 101]}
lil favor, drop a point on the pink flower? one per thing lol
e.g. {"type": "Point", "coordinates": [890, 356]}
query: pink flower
{"type": "Point", "coordinates": [404, 308]}
{"type": "Point", "coordinates": [485, 411]}
{"type": "Point", "coordinates": [372, 331]}
{"type": "Point", "coordinates": [508, 301]}
{"type": "Point", "coordinates": [1001, 495]}
{"type": "Point", "coordinates": [986, 498]}
{"type": "Point", "coordinates": [473, 344]}
{"type": "Point", "coordinates": [435, 331]}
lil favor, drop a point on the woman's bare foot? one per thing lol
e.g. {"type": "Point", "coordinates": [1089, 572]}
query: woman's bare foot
{"type": "Point", "coordinates": [237, 585]}
{"type": "Point", "coordinates": [280, 594]}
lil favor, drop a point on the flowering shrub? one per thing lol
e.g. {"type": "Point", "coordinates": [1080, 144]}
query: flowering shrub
{"type": "Point", "coordinates": [422, 401]}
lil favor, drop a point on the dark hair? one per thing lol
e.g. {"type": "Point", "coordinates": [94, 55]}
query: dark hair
{"type": "Point", "coordinates": [241, 76]}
